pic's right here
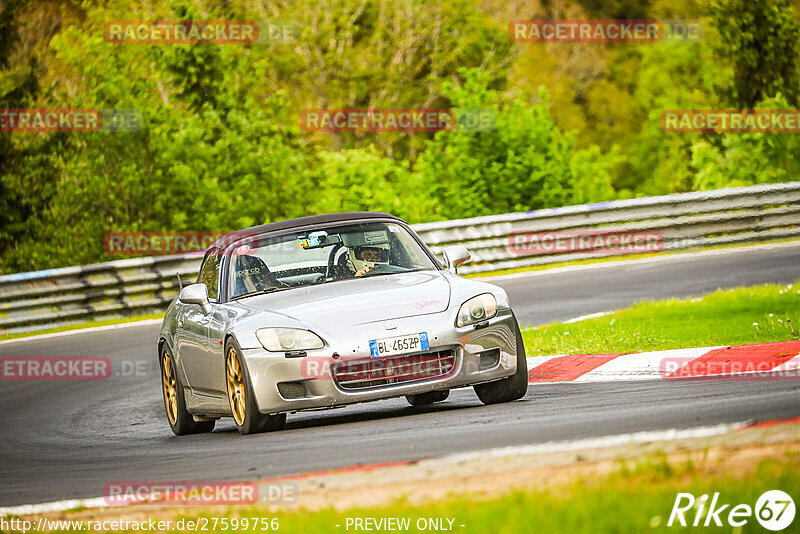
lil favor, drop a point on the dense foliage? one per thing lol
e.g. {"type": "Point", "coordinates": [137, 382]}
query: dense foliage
{"type": "Point", "coordinates": [222, 147]}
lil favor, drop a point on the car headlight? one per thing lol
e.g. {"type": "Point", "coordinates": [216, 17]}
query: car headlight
{"type": "Point", "coordinates": [477, 309]}
{"type": "Point", "coordinates": [287, 339]}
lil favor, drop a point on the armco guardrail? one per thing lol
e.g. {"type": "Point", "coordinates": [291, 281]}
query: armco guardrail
{"type": "Point", "coordinates": [59, 297]}
{"type": "Point", "coordinates": [685, 220]}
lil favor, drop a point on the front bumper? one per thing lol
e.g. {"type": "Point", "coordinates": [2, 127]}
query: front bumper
{"type": "Point", "coordinates": [313, 389]}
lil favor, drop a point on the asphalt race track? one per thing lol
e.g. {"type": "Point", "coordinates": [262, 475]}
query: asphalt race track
{"type": "Point", "coordinates": [68, 439]}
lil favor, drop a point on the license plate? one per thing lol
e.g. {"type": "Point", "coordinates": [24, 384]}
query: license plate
{"type": "Point", "coordinates": [398, 345]}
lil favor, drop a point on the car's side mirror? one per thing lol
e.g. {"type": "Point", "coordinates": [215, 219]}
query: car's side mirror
{"type": "Point", "coordinates": [455, 255]}
{"type": "Point", "coordinates": [196, 294]}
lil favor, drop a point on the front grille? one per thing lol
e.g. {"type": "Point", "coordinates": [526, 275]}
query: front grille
{"type": "Point", "coordinates": [373, 372]}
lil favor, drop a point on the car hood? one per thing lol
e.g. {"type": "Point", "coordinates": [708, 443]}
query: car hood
{"type": "Point", "coordinates": [358, 301]}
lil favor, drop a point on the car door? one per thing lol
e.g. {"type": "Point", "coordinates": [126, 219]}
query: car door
{"type": "Point", "coordinates": [201, 355]}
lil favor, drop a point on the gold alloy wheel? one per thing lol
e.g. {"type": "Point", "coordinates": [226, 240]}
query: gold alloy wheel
{"type": "Point", "coordinates": [235, 386]}
{"type": "Point", "coordinates": [170, 387]}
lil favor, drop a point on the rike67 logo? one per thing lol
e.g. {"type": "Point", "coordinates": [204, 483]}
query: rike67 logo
{"type": "Point", "coordinates": [774, 510]}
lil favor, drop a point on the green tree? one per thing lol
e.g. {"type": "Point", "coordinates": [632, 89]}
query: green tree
{"type": "Point", "coordinates": [673, 76]}
{"type": "Point", "coordinates": [740, 159]}
{"type": "Point", "coordinates": [388, 54]}
{"type": "Point", "coordinates": [218, 162]}
{"type": "Point", "coordinates": [761, 40]}
{"type": "Point", "coordinates": [525, 163]}
{"type": "Point", "coordinates": [361, 179]}
{"type": "Point", "coordinates": [29, 162]}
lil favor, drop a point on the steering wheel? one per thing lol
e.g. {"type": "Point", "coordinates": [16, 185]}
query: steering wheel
{"type": "Point", "coordinates": [378, 267]}
{"type": "Point", "coordinates": [333, 263]}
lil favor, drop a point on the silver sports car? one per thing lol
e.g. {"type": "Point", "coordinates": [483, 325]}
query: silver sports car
{"type": "Point", "coordinates": [329, 310]}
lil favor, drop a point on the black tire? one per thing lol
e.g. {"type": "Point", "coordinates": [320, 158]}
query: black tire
{"type": "Point", "coordinates": [511, 388]}
{"type": "Point", "coordinates": [249, 420]}
{"type": "Point", "coordinates": [180, 420]}
{"type": "Point", "coordinates": [423, 399]}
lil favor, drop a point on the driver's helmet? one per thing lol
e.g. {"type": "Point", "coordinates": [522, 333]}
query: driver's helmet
{"type": "Point", "coordinates": [372, 254]}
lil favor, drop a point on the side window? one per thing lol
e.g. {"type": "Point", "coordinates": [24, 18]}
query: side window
{"type": "Point", "coordinates": [209, 274]}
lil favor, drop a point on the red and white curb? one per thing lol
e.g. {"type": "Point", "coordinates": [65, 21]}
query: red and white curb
{"type": "Point", "coordinates": [757, 361]}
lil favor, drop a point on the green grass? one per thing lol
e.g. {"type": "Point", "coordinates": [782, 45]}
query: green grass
{"type": "Point", "coordinates": [636, 498]}
{"type": "Point", "coordinates": [88, 324]}
{"type": "Point", "coordinates": [757, 314]}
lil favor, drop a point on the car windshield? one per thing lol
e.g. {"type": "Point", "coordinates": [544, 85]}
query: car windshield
{"type": "Point", "coordinates": [330, 254]}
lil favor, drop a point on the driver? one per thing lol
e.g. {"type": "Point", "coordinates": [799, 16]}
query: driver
{"type": "Point", "coordinates": [366, 257]}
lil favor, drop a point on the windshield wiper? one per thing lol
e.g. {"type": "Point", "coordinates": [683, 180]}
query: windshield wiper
{"type": "Point", "coordinates": [260, 292]}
